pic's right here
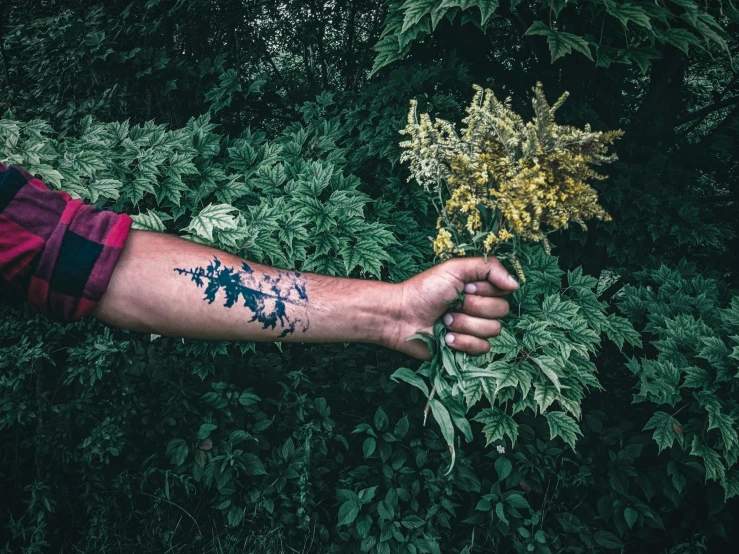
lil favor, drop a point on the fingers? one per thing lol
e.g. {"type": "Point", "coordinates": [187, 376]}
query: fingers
{"type": "Point", "coordinates": [481, 306]}
{"type": "Point", "coordinates": [484, 288]}
{"type": "Point", "coordinates": [476, 322]}
{"type": "Point", "coordinates": [466, 343]}
{"type": "Point", "coordinates": [475, 326]}
{"type": "Point", "coordinates": [477, 269]}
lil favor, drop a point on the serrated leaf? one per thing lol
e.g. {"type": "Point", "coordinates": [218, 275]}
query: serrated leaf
{"type": "Point", "coordinates": [627, 11]}
{"type": "Point", "coordinates": [545, 395]}
{"type": "Point", "coordinates": [137, 188]}
{"type": "Point", "coordinates": [619, 329]}
{"type": "Point", "coordinates": [149, 221]}
{"type": "Point", "coordinates": [107, 188]}
{"type": "Point", "coordinates": [559, 313]}
{"type": "Point", "coordinates": [213, 216]}
{"type": "Point", "coordinates": [498, 425]}
{"type": "Point", "coordinates": [415, 10]}
{"type": "Point", "coordinates": [730, 483]}
{"type": "Point", "coordinates": [560, 43]}
{"type": "Point", "coordinates": [171, 188]}
{"type": "Point", "coordinates": [562, 425]}
{"type": "Point", "coordinates": [715, 469]}
{"type": "Point", "coordinates": [665, 430]}
{"type": "Point", "coordinates": [549, 367]}
{"type": "Point", "coordinates": [486, 7]}
{"type": "Point", "coordinates": [388, 50]}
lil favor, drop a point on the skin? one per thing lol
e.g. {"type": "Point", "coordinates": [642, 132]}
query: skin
{"type": "Point", "coordinates": [146, 294]}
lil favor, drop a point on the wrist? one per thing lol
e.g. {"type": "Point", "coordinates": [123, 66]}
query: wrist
{"type": "Point", "coordinates": [391, 325]}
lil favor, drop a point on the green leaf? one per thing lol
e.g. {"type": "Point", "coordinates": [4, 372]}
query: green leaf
{"type": "Point", "coordinates": [401, 427]}
{"type": "Point", "coordinates": [503, 468]}
{"type": "Point", "coordinates": [171, 188]}
{"type": "Point", "coordinates": [177, 450]}
{"type": "Point", "coordinates": [642, 57]}
{"type": "Point", "coordinates": [549, 366]}
{"type": "Point", "coordinates": [136, 189]}
{"type": "Point", "coordinates": [149, 221]}
{"type": "Point", "coordinates": [366, 495]}
{"type": "Point", "coordinates": [606, 539]}
{"type": "Point", "coordinates": [579, 282]}
{"type": "Point", "coordinates": [107, 188]}
{"type": "Point", "coordinates": [235, 516]}
{"type": "Point", "coordinates": [253, 465]}
{"type": "Point", "coordinates": [412, 378]}
{"type": "Point", "coordinates": [368, 447]}
{"type": "Point", "coordinates": [441, 415]}
{"type": "Point", "coordinates": [627, 11]}
{"type": "Point", "coordinates": [515, 500]}
{"type": "Point", "coordinates": [231, 189]}
{"type": "Point", "coordinates": [385, 510]}
{"type": "Point", "coordinates": [559, 313]}
{"type": "Point", "coordinates": [562, 425]}
{"type": "Point", "coordinates": [205, 430]}
{"type": "Point", "coordinates": [504, 343]}
{"type": "Point", "coordinates": [730, 483]}
{"type": "Point", "coordinates": [667, 430]}
{"type": "Point", "coordinates": [413, 522]}
{"type": "Point", "coordinates": [505, 375]}
{"type": "Point", "coordinates": [679, 38]}
{"type": "Point", "coordinates": [630, 515]}
{"type": "Point", "coordinates": [715, 469]}
{"type": "Point", "coordinates": [619, 329]}
{"type": "Point", "coordinates": [486, 7]}
{"type": "Point", "coordinates": [348, 512]}
{"type": "Point", "coordinates": [560, 43]}
{"type": "Point", "coordinates": [415, 10]}
{"type": "Point", "coordinates": [213, 216]}
{"type": "Point", "coordinates": [498, 425]}
{"type": "Point", "coordinates": [381, 420]}
{"type": "Point", "coordinates": [545, 396]}
{"type": "Point", "coordinates": [388, 50]}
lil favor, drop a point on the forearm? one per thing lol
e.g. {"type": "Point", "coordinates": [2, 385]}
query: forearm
{"type": "Point", "coordinates": [170, 286]}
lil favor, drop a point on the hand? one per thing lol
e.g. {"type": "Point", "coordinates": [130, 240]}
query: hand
{"type": "Point", "coordinates": [424, 298]}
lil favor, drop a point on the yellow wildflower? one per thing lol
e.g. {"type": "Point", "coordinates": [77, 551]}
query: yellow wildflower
{"type": "Point", "coordinates": [503, 173]}
{"type": "Point", "coordinates": [443, 245]}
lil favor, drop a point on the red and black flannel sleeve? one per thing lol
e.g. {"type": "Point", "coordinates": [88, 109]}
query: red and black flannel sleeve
{"type": "Point", "coordinates": [60, 251]}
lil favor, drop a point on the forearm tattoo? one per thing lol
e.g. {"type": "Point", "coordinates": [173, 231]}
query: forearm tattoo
{"type": "Point", "coordinates": [268, 298]}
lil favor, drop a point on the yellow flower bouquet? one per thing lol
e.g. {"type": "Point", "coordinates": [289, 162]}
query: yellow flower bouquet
{"type": "Point", "coordinates": [500, 186]}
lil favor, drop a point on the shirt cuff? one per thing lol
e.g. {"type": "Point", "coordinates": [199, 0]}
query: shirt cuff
{"type": "Point", "coordinates": [63, 250]}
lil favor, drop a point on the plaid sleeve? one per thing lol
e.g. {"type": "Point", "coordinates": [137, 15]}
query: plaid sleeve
{"type": "Point", "coordinates": [61, 251]}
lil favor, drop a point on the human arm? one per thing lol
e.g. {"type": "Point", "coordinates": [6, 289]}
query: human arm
{"type": "Point", "coordinates": [67, 254]}
{"type": "Point", "coordinates": [166, 285]}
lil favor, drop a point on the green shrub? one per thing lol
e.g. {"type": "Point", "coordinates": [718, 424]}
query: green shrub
{"type": "Point", "coordinates": [256, 128]}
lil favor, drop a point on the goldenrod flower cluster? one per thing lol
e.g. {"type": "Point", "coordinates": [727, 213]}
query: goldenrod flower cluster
{"type": "Point", "coordinates": [505, 178]}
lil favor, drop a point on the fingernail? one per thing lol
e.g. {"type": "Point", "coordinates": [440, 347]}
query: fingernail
{"type": "Point", "coordinates": [447, 319]}
{"type": "Point", "coordinates": [470, 288]}
{"type": "Point", "coordinates": [512, 278]}
{"type": "Point", "coordinates": [449, 338]}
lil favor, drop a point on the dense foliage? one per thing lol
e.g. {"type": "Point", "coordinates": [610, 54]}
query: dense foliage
{"type": "Point", "coordinates": [271, 130]}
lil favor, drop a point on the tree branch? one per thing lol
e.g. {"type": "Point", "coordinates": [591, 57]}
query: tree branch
{"type": "Point", "coordinates": [717, 198]}
{"type": "Point", "coordinates": [708, 110]}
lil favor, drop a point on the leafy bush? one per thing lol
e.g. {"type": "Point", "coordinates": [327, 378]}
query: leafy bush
{"type": "Point", "coordinates": [256, 127]}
